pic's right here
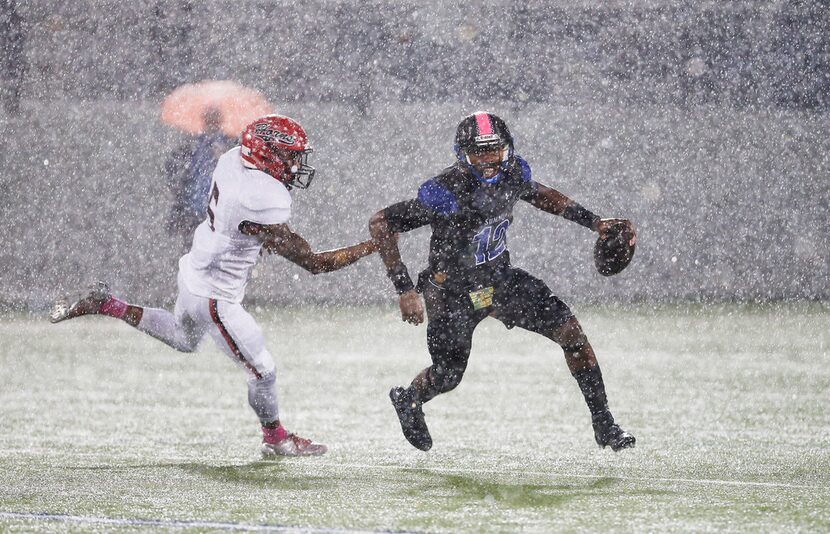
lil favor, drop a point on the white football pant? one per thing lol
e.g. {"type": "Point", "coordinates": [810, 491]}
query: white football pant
{"type": "Point", "coordinates": [232, 328]}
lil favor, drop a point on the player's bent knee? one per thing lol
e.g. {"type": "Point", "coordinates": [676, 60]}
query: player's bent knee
{"type": "Point", "coordinates": [183, 344]}
{"type": "Point", "coordinates": [547, 317]}
{"type": "Point", "coordinates": [570, 336]}
{"type": "Point", "coordinates": [186, 348]}
{"type": "Point", "coordinates": [445, 380]}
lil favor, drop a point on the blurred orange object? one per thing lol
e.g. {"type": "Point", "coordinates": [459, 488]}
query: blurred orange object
{"type": "Point", "coordinates": [185, 107]}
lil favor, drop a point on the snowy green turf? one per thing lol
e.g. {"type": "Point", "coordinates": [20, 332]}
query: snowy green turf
{"type": "Point", "coordinates": [729, 405]}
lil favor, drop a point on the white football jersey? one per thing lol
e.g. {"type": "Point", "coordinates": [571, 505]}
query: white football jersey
{"type": "Point", "coordinates": [220, 261]}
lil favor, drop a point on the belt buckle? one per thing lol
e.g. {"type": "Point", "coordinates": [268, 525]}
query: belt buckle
{"type": "Point", "coordinates": [482, 298]}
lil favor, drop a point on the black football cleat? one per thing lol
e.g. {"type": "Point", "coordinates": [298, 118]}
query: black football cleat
{"type": "Point", "coordinates": [609, 434]}
{"type": "Point", "coordinates": [411, 416]}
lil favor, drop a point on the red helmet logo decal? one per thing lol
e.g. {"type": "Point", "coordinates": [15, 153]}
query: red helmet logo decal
{"type": "Point", "coordinates": [268, 134]}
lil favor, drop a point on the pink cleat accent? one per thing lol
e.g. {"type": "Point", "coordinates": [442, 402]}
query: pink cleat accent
{"type": "Point", "coordinates": [279, 442]}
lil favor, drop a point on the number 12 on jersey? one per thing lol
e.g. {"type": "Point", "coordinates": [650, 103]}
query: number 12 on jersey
{"type": "Point", "coordinates": [491, 242]}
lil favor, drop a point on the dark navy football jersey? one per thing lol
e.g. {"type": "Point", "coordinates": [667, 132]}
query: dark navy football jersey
{"type": "Point", "coordinates": [469, 221]}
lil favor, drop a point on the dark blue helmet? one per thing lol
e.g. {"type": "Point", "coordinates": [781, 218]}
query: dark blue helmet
{"type": "Point", "coordinates": [479, 133]}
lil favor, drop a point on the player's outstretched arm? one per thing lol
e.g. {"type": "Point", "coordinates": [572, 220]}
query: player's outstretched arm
{"type": "Point", "coordinates": [280, 239]}
{"type": "Point", "coordinates": [552, 201]}
{"type": "Point", "coordinates": [412, 309]}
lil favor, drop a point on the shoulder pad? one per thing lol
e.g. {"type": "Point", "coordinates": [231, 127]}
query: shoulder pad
{"type": "Point", "coordinates": [265, 194]}
{"type": "Point", "coordinates": [525, 168]}
{"type": "Point", "coordinates": [437, 198]}
{"type": "Point", "coordinates": [264, 200]}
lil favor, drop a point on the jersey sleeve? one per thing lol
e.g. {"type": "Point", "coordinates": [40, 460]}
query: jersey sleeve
{"type": "Point", "coordinates": [437, 199]}
{"type": "Point", "coordinates": [266, 205]}
{"type": "Point", "coordinates": [434, 201]}
{"type": "Point", "coordinates": [407, 215]}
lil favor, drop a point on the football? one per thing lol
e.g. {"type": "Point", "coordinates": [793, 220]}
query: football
{"type": "Point", "coordinates": [614, 250]}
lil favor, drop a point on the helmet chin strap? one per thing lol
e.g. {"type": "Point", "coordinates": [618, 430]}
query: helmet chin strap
{"type": "Point", "coordinates": [493, 179]}
{"type": "Point", "coordinates": [462, 157]}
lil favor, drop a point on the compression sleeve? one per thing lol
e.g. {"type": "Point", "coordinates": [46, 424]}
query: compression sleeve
{"type": "Point", "coordinates": [407, 215]}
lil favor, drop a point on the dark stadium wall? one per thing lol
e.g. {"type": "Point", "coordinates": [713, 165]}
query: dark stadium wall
{"type": "Point", "coordinates": [707, 126]}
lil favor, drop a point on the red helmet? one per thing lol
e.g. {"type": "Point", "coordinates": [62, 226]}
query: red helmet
{"type": "Point", "coordinates": [278, 146]}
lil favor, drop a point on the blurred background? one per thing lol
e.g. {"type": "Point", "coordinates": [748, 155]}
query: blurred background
{"type": "Point", "coordinates": [706, 123]}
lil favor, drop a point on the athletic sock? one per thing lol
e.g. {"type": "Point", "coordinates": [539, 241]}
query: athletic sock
{"type": "Point", "coordinates": [273, 435]}
{"type": "Point", "coordinates": [593, 389]}
{"type": "Point", "coordinates": [113, 307]}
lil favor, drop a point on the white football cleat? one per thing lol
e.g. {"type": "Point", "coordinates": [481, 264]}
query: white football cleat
{"type": "Point", "coordinates": [81, 303]}
{"type": "Point", "coordinates": [292, 445]}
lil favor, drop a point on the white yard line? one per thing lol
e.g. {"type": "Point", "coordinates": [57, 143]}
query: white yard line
{"type": "Point", "coordinates": [218, 525]}
{"type": "Point", "coordinates": [551, 474]}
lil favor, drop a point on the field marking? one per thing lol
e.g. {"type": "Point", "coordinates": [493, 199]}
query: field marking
{"type": "Point", "coordinates": [516, 472]}
{"type": "Point", "coordinates": [218, 525]}
{"type": "Point", "coordinates": [450, 470]}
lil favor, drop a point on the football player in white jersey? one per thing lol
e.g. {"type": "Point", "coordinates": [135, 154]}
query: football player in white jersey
{"type": "Point", "coordinates": [248, 210]}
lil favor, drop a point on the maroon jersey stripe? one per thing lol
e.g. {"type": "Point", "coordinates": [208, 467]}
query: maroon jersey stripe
{"type": "Point", "coordinates": [214, 314]}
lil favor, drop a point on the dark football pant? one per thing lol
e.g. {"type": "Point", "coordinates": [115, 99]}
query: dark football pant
{"type": "Point", "coordinates": [520, 300]}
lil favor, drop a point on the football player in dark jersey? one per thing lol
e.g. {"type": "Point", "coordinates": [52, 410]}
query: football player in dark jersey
{"type": "Point", "coordinates": [470, 207]}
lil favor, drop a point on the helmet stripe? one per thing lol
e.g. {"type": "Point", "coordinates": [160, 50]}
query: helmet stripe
{"type": "Point", "coordinates": [483, 123]}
